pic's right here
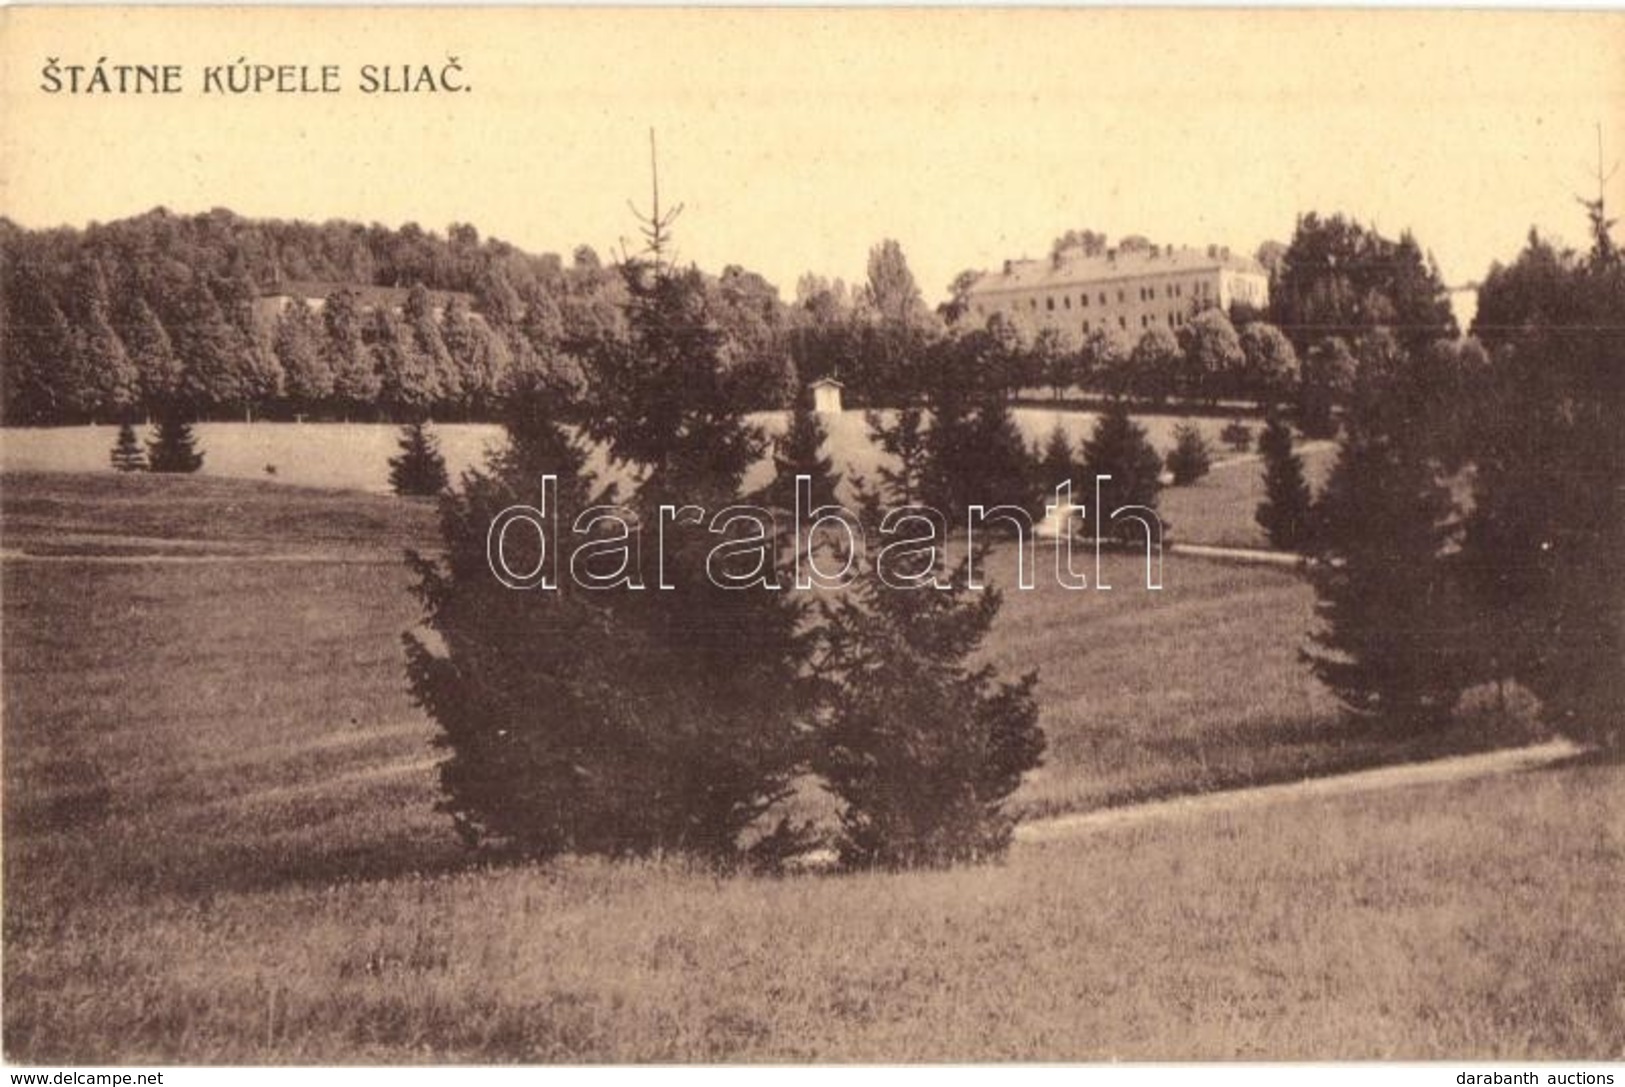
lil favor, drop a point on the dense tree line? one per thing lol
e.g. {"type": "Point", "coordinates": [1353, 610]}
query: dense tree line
{"type": "Point", "coordinates": [169, 314]}
{"type": "Point", "coordinates": [166, 313]}
{"type": "Point", "coordinates": [1339, 279]}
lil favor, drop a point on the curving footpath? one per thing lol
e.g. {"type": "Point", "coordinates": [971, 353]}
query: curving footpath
{"type": "Point", "coordinates": [1432, 772]}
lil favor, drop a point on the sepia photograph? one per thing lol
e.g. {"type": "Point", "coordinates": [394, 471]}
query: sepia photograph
{"type": "Point", "coordinates": [812, 536]}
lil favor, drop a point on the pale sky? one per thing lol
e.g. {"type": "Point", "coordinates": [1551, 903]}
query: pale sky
{"type": "Point", "coordinates": [797, 138]}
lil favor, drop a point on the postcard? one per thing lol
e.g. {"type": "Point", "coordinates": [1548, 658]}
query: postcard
{"type": "Point", "coordinates": [812, 536]}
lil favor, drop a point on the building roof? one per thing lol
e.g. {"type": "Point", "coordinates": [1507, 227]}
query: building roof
{"type": "Point", "coordinates": [1072, 268]}
{"type": "Point", "coordinates": [825, 381]}
{"type": "Point", "coordinates": [370, 295]}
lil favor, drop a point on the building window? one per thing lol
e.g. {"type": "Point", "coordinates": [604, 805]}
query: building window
{"type": "Point", "coordinates": [1066, 301]}
{"type": "Point", "coordinates": [1086, 328]}
{"type": "Point", "coordinates": [1049, 303]}
{"type": "Point", "coordinates": [1122, 296]}
{"type": "Point", "coordinates": [1122, 322]}
{"type": "Point", "coordinates": [1170, 320]}
{"type": "Point", "coordinates": [1034, 302]}
{"type": "Point", "coordinates": [1083, 300]}
{"type": "Point", "coordinates": [1102, 298]}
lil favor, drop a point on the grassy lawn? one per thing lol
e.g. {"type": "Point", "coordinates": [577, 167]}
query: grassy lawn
{"type": "Point", "coordinates": [1194, 687]}
{"type": "Point", "coordinates": [1218, 508]}
{"type": "Point", "coordinates": [222, 722]}
{"type": "Point", "coordinates": [1470, 921]}
{"type": "Point", "coordinates": [217, 791]}
{"type": "Point", "coordinates": [108, 513]}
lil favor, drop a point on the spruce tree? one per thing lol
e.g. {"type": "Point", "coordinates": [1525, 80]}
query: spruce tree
{"type": "Point", "coordinates": [902, 438]}
{"type": "Point", "coordinates": [1285, 513]}
{"type": "Point", "coordinates": [174, 449]}
{"type": "Point", "coordinates": [543, 731]}
{"type": "Point", "coordinates": [722, 672]}
{"type": "Point", "coordinates": [610, 720]}
{"type": "Point", "coordinates": [1057, 464]}
{"type": "Point", "coordinates": [1389, 644]}
{"type": "Point", "coordinates": [418, 469]}
{"type": "Point", "coordinates": [1547, 525]}
{"type": "Point", "coordinates": [1191, 458]}
{"type": "Point", "coordinates": [921, 748]}
{"type": "Point", "coordinates": [975, 454]}
{"type": "Point", "coordinates": [799, 451]}
{"type": "Point", "coordinates": [127, 455]}
{"type": "Point", "coordinates": [1118, 447]}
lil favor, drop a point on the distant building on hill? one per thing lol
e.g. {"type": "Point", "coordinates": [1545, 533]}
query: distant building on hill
{"type": "Point", "coordinates": [270, 304]}
{"type": "Point", "coordinates": [1127, 291]}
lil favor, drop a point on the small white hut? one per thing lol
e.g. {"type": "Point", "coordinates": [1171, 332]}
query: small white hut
{"type": "Point", "coordinates": [826, 393]}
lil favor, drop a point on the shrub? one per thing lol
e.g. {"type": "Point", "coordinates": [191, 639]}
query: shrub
{"type": "Point", "coordinates": [1238, 436]}
{"type": "Point", "coordinates": [418, 469]}
{"type": "Point", "coordinates": [800, 451]}
{"type": "Point", "coordinates": [608, 720]}
{"type": "Point", "coordinates": [127, 455]}
{"type": "Point", "coordinates": [1118, 447]}
{"type": "Point", "coordinates": [1390, 643]}
{"type": "Point", "coordinates": [1285, 513]}
{"type": "Point", "coordinates": [174, 449]}
{"type": "Point", "coordinates": [1190, 459]}
{"type": "Point", "coordinates": [921, 747]}
{"type": "Point", "coordinates": [1057, 464]}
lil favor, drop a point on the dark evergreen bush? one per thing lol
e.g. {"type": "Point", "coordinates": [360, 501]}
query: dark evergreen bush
{"type": "Point", "coordinates": [128, 456]}
{"type": "Point", "coordinates": [1238, 436]}
{"type": "Point", "coordinates": [418, 469]}
{"type": "Point", "coordinates": [1285, 513]}
{"type": "Point", "coordinates": [1190, 459]}
{"type": "Point", "coordinates": [174, 449]}
{"type": "Point", "coordinates": [1118, 447]}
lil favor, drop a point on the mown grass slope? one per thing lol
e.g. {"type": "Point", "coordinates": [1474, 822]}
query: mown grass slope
{"type": "Point", "coordinates": [220, 840]}
{"type": "Point", "coordinates": [1476, 920]}
{"type": "Point", "coordinates": [216, 723]}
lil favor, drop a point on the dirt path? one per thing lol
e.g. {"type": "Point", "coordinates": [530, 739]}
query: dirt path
{"type": "Point", "coordinates": [1256, 555]}
{"type": "Point", "coordinates": [1310, 448]}
{"type": "Point", "coordinates": [1433, 772]}
{"type": "Point", "coordinates": [340, 558]}
{"type": "Point", "coordinates": [1259, 556]}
